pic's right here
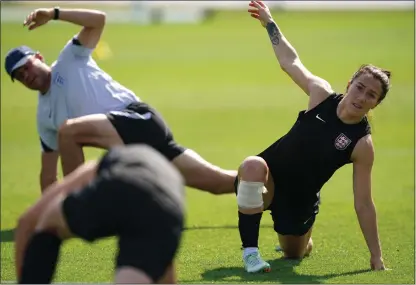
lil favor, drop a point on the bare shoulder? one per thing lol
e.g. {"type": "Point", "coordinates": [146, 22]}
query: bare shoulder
{"type": "Point", "coordinates": [319, 90]}
{"type": "Point", "coordinates": [363, 152]}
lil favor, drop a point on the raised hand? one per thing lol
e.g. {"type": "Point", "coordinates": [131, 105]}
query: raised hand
{"type": "Point", "coordinates": [260, 11]}
{"type": "Point", "coordinates": [38, 18]}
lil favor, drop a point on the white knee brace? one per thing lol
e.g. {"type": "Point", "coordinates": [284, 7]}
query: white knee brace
{"type": "Point", "coordinates": [249, 194]}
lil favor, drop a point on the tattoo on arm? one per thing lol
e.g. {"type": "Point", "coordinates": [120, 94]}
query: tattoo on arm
{"type": "Point", "coordinates": [274, 33]}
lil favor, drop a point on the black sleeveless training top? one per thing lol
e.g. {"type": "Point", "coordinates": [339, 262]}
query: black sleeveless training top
{"type": "Point", "coordinates": [304, 159]}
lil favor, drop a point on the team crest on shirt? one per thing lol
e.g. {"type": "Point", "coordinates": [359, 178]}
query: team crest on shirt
{"type": "Point", "coordinates": [342, 142]}
{"type": "Point", "coordinates": [59, 80]}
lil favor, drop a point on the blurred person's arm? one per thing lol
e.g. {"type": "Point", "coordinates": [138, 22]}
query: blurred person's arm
{"type": "Point", "coordinates": [287, 56]}
{"type": "Point", "coordinates": [49, 155]}
{"type": "Point", "coordinates": [363, 159]}
{"type": "Point", "coordinates": [49, 169]}
{"type": "Point", "coordinates": [92, 21]}
{"type": "Point", "coordinates": [27, 222]}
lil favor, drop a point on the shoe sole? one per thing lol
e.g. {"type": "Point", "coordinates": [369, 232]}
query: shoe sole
{"type": "Point", "coordinates": [262, 270]}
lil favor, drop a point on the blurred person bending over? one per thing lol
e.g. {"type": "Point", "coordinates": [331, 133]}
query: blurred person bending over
{"type": "Point", "coordinates": [286, 178]}
{"type": "Point", "coordinates": [112, 197]}
{"type": "Point", "coordinates": [81, 105]}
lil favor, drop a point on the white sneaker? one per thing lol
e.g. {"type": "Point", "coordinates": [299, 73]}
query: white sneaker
{"type": "Point", "coordinates": [254, 263]}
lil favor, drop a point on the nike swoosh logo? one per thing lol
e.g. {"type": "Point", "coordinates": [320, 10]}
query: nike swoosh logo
{"type": "Point", "coordinates": [307, 220]}
{"type": "Point", "coordinates": [319, 118]}
{"type": "Point", "coordinates": [133, 115]}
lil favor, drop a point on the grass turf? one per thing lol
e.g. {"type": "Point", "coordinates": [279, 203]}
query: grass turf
{"type": "Point", "coordinates": [223, 94]}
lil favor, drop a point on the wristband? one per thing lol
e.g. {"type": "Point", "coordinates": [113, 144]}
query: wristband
{"type": "Point", "coordinates": [56, 13]}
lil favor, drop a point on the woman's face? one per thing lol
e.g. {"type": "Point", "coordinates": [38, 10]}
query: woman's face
{"type": "Point", "coordinates": [363, 94]}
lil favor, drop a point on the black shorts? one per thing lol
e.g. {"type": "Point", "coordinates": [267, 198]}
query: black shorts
{"type": "Point", "coordinates": [286, 220]}
{"type": "Point", "coordinates": [130, 203]}
{"type": "Point", "coordinates": [140, 123]}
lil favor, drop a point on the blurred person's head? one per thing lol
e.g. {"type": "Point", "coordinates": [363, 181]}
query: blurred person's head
{"type": "Point", "coordinates": [367, 88]}
{"type": "Point", "coordinates": [28, 67]}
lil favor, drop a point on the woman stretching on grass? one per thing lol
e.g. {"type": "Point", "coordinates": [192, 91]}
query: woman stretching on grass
{"type": "Point", "coordinates": [287, 177]}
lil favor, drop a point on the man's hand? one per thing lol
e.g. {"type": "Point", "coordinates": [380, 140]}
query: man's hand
{"type": "Point", "coordinates": [261, 12]}
{"type": "Point", "coordinates": [377, 263]}
{"type": "Point", "coordinates": [38, 18]}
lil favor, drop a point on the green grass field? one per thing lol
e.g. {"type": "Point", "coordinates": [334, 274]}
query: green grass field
{"type": "Point", "coordinates": [222, 92]}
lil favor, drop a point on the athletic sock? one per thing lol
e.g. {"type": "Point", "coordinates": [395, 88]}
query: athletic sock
{"type": "Point", "coordinates": [249, 227]}
{"type": "Point", "coordinates": [40, 259]}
